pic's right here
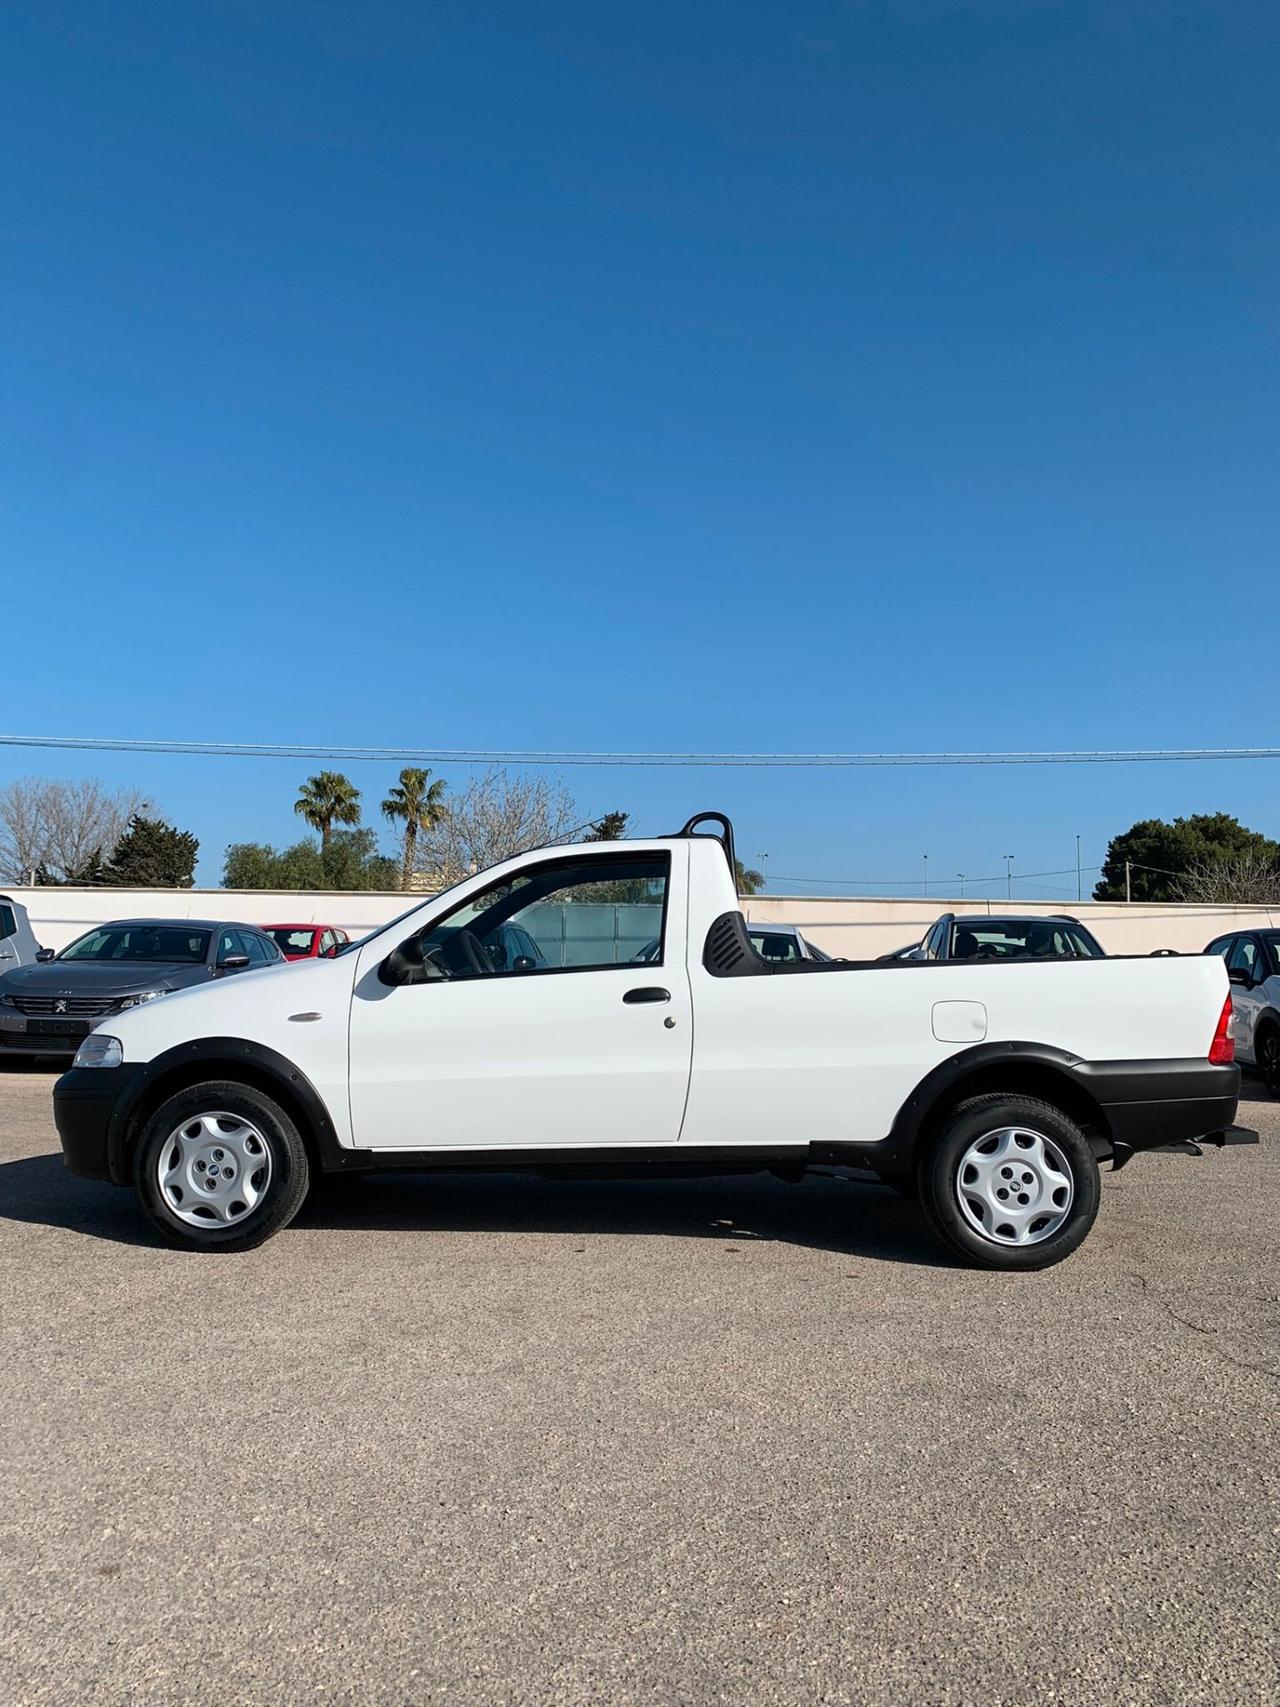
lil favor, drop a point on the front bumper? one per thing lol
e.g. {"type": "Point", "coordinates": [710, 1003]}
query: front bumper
{"type": "Point", "coordinates": [20, 1035]}
{"type": "Point", "coordinates": [86, 1103]}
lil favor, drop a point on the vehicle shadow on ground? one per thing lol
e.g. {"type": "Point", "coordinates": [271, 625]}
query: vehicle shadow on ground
{"type": "Point", "coordinates": [849, 1215]}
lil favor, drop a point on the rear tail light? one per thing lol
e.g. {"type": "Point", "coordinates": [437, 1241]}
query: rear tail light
{"type": "Point", "coordinates": [1222, 1051]}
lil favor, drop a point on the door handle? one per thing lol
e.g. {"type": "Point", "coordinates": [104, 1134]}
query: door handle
{"type": "Point", "coordinates": [650, 993]}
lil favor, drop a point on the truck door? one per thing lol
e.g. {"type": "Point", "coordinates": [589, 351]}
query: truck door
{"type": "Point", "coordinates": [587, 1048]}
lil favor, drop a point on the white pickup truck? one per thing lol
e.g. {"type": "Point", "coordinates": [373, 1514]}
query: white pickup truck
{"type": "Point", "coordinates": [989, 1088]}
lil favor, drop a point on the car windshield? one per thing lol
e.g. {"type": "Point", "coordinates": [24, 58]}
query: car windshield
{"type": "Point", "coordinates": [141, 942]}
{"type": "Point", "coordinates": [292, 942]}
{"type": "Point", "coordinates": [1038, 939]}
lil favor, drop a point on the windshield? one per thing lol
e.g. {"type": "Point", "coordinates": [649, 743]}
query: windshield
{"type": "Point", "coordinates": [292, 942]}
{"type": "Point", "coordinates": [141, 942]}
{"type": "Point", "coordinates": [1039, 939]}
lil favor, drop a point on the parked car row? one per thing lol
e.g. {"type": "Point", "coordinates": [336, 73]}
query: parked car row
{"type": "Point", "coordinates": [49, 1002]}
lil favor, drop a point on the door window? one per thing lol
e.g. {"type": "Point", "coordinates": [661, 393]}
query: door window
{"type": "Point", "coordinates": [578, 914]}
{"type": "Point", "coordinates": [8, 924]}
{"type": "Point", "coordinates": [255, 947]}
{"type": "Point", "coordinates": [1244, 954]}
{"type": "Point", "coordinates": [1222, 946]}
{"type": "Point", "coordinates": [230, 943]}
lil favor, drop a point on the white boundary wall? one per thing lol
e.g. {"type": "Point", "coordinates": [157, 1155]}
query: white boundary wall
{"type": "Point", "coordinates": [856, 929]}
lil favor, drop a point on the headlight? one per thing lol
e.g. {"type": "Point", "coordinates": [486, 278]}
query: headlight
{"type": "Point", "coordinates": [137, 1000]}
{"type": "Point", "coordinates": [8, 1002]}
{"type": "Point", "coordinates": [99, 1050]}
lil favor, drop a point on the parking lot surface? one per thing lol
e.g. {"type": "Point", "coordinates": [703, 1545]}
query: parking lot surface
{"type": "Point", "coordinates": [500, 1440]}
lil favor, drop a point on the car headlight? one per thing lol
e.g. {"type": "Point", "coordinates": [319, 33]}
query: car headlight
{"type": "Point", "coordinates": [7, 1002]}
{"type": "Point", "coordinates": [99, 1050]}
{"type": "Point", "coordinates": [136, 1000]}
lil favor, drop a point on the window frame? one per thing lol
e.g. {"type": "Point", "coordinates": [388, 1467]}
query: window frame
{"type": "Point", "coordinates": [661, 858]}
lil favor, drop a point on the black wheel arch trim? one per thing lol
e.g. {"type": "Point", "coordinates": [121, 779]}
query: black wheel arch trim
{"type": "Point", "coordinates": [1127, 1104]}
{"type": "Point", "coordinates": [229, 1051]}
{"type": "Point", "coordinates": [911, 1119]}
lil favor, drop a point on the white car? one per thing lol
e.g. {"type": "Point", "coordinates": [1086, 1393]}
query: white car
{"type": "Point", "coordinates": [1253, 966]}
{"type": "Point", "coordinates": [996, 1087]}
{"type": "Point", "coordinates": [18, 946]}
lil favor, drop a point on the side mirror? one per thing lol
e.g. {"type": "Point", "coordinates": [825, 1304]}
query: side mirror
{"type": "Point", "coordinates": [43, 954]}
{"type": "Point", "coordinates": [233, 963]}
{"type": "Point", "coordinates": [1239, 975]}
{"type": "Point", "coordinates": [407, 964]}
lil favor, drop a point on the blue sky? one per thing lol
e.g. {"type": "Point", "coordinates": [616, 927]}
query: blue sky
{"type": "Point", "coordinates": [735, 376]}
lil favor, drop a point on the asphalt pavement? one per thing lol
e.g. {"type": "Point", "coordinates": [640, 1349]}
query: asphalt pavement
{"type": "Point", "coordinates": [496, 1440]}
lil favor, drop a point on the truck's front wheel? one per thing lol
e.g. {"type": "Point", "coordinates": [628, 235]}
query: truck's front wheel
{"type": "Point", "coordinates": [1010, 1182]}
{"type": "Point", "coordinates": [220, 1166]}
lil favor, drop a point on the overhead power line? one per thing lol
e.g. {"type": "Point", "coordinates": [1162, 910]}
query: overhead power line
{"type": "Point", "coordinates": [539, 758]}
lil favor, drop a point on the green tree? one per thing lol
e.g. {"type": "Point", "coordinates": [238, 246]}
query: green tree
{"type": "Point", "coordinates": [1162, 856]}
{"type": "Point", "coordinates": [153, 855]}
{"type": "Point", "coordinates": [419, 804]}
{"type": "Point", "coordinates": [351, 861]}
{"type": "Point", "coordinates": [749, 882]}
{"type": "Point", "coordinates": [327, 799]}
{"type": "Point", "coordinates": [250, 865]}
{"type": "Point", "coordinates": [611, 828]}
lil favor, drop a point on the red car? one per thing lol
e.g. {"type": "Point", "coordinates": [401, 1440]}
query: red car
{"type": "Point", "coordinates": [306, 942]}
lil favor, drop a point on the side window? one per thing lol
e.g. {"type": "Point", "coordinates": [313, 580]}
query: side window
{"type": "Point", "coordinates": [578, 913]}
{"type": "Point", "coordinates": [8, 924]}
{"type": "Point", "coordinates": [229, 943]}
{"type": "Point", "coordinates": [1244, 954]}
{"type": "Point", "coordinates": [325, 943]}
{"type": "Point", "coordinates": [255, 947]}
{"type": "Point", "coordinates": [934, 941]}
{"type": "Point", "coordinates": [1222, 946]}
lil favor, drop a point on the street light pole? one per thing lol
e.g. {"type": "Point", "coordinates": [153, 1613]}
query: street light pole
{"type": "Point", "coordinates": [926, 877]}
{"type": "Point", "coordinates": [960, 875]}
{"type": "Point", "coordinates": [1008, 874]}
{"type": "Point", "coordinates": [1078, 896]}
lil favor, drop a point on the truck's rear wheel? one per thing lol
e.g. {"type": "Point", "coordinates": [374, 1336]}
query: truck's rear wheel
{"type": "Point", "coordinates": [220, 1166]}
{"type": "Point", "coordinates": [1010, 1182]}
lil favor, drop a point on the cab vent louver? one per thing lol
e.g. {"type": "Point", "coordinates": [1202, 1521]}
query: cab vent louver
{"type": "Point", "coordinates": [728, 952]}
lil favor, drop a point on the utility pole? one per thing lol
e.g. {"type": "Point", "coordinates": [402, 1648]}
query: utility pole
{"type": "Point", "coordinates": [1128, 893]}
{"type": "Point", "coordinates": [926, 877]}
{"type": "Point", "coordinates": [1008, 874]}
{"type": "Point", "coordinates": [1078, 897]}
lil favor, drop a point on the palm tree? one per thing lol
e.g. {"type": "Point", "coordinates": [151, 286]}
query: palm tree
{"type": "Point", "coordinates": [328, 799]}
{"type": "Point", "coordinates": [418, 802]}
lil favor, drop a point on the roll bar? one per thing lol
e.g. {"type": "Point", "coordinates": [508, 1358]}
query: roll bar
{"type": "Point", "coordinates": [725, 838]}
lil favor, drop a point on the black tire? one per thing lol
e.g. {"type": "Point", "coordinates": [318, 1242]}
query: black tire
{"type": "Point", "coordinates": [288, 1174]}
{"type": "Point", "coordinates": [1266, 1047]}
{"type": "Point", "coordinates": [939, 1167]}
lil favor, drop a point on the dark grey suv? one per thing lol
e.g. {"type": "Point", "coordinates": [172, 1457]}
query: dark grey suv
{"type": "Point", "coordinates": [47, 1009]}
